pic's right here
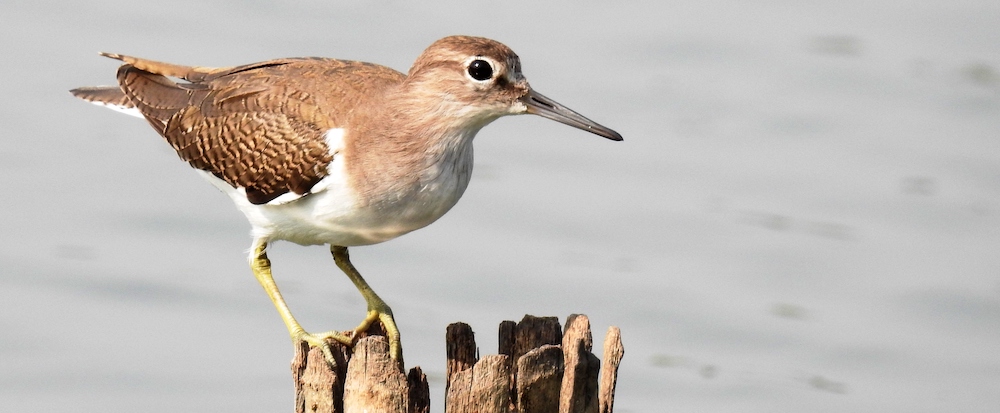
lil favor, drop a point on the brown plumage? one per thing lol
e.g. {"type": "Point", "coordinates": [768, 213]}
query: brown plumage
{"type": "Point", "coordinates": [254, 126]}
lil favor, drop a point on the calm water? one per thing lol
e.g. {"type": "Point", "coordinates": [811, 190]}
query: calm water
{"type": "Point", "coordinates": [804, 215]}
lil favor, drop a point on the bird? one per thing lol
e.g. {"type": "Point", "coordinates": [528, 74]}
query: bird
{"type": "Point", "coordinates": [322, 151]}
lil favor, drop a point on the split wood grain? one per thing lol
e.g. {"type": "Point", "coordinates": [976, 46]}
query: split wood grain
{"type": "Point", "coordinates": [460, 350]}
{"type": "Point", "coordinates": [579, 392]}
{"type": "Point", "coordinates": [613, 353]}
{"type": "Point", "coordinates": [374, 382]}
{"type": "Point", "coordinates": [420, 391]}
{"type": "Point", "coordinates": [318, 388]}
{"type": "Point", "coordinates": [553, 372]}
{"type": "Point", "coordinates": [539, 379]}
{"type": "Point", "coordinates": [483, 388]}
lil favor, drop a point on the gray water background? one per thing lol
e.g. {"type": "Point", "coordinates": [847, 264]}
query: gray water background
{"type": "Point", "coordinates": [804, 214]}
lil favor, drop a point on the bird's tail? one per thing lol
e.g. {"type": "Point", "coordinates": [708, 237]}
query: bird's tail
{"type": "Point", "coordinates": [114, 98]}
{"type": "Point", "coordinates": [110, 97]}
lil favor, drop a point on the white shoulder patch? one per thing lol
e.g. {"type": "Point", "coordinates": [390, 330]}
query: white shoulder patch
{"type": "Point", "coordinates": [335, 141]}
{"type": "Point", "coordinates": [334, 172]}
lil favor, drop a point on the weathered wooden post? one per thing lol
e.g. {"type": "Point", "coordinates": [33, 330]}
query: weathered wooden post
{"type": "Point", "coordinates": [539, 369]}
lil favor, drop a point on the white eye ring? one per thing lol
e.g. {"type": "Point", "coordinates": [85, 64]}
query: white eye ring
{"type": "Point", "coordinates": [481, 69]}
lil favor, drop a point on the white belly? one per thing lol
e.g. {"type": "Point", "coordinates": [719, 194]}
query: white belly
{"type": "Point", "coordinates": [333, 214]}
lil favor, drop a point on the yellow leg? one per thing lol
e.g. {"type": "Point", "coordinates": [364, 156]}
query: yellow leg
{"type": "Point", "coordinates": [377, 309]}
{"type": "Point", "coordinates": [261, 267]}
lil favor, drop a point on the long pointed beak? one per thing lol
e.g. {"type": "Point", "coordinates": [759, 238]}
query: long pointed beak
{"type": "Point", "coordinates": [542, 106]}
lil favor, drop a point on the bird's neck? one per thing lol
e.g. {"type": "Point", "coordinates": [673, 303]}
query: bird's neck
{"type": "Point", "coordinates": [416, 144]}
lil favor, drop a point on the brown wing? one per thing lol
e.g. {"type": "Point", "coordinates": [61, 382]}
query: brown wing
{"type": "Point", "coordinates": [257, 126]}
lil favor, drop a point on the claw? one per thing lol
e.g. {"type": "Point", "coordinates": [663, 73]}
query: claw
{"type": "Point", "coordinates": [385, 318]}
{"type": "Point", "coordinates": [391, 333]}
{"type": "Point", "coordinates": [322, 342]}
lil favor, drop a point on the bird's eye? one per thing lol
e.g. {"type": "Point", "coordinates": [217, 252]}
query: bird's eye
{"type": "Point", "coordinates": [480, 70]}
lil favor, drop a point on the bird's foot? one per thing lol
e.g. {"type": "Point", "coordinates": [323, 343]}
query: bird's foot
{"type": "Point", "coordinates": [384, 317]}
{"type": "Point", "coordinates": [321, 341]}
{"type": "Point", "coordinates": [349, 338]}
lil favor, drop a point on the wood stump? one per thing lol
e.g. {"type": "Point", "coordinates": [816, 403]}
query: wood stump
{"type": "Point", "coordinates": [538, 369]}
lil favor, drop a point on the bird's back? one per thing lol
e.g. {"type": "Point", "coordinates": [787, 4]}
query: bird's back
{"type": "Point", "coordinates": [260, 126]}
